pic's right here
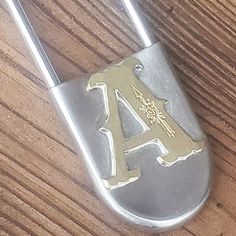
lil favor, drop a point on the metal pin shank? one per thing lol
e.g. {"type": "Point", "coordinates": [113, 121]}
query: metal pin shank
{"type": "Point", "coordinates": [139, 22]}
{"type": "Point", "coordinates": [33, 42]}
{"type": "Point", "coordinates": [38, 52]}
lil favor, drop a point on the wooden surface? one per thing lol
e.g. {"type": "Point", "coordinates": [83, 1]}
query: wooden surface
{"type": "Point", "coordinates": [44, 187]}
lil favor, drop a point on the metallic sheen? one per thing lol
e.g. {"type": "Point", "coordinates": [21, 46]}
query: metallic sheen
{"type": "Point", "coordinates": [139, 22]}
{"type": "Point", "coordinates": [33, 43]}
{"type": "Point", "coordinates": [167, 187]}
{"type": "Point", "coordinates": [120, 85]}
{"type": "Point", "coordinates": [163, 197]}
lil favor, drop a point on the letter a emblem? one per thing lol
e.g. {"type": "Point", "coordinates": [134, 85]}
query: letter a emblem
{"type": "Point", "coordinates": [120, 82]}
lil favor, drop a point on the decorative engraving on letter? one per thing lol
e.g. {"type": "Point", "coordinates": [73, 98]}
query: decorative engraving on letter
{"type": "Point", "coordinates": [119, 81]}
{"type": "Point", "coordinates": [153, 113]}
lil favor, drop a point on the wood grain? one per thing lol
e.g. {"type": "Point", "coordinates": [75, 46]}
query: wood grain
{"type": "Point", "coordinates": [44, 187]}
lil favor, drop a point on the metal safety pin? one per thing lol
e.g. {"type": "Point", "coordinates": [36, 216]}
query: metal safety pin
{"type": "Point", "coordinates": [146, 154]}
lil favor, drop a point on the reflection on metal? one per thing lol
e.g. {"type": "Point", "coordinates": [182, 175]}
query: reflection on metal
{"type": "Point", "coordinates": [119, 82]}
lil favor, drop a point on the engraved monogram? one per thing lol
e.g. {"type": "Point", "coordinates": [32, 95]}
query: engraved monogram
{"type": "Point", "coordinates": [119, 82]}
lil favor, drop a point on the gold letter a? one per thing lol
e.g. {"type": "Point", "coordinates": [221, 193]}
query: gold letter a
{"type": "Point", "coordinates": [175, 143]}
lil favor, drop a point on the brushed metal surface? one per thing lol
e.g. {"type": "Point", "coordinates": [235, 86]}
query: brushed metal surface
{"type": "Point", "coordinates": [163, 197]}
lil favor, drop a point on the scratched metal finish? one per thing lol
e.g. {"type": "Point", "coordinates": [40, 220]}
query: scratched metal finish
{"type": "Point", "coordinates": [163, 197]}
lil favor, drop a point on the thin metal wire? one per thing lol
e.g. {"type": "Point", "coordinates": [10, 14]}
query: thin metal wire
{"type": "Point", "coordinates": [139, 22]}
{"type": "Point", "coordinates": [40, 55]}
{"type": "Point", "coordinates": [33, 43]}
